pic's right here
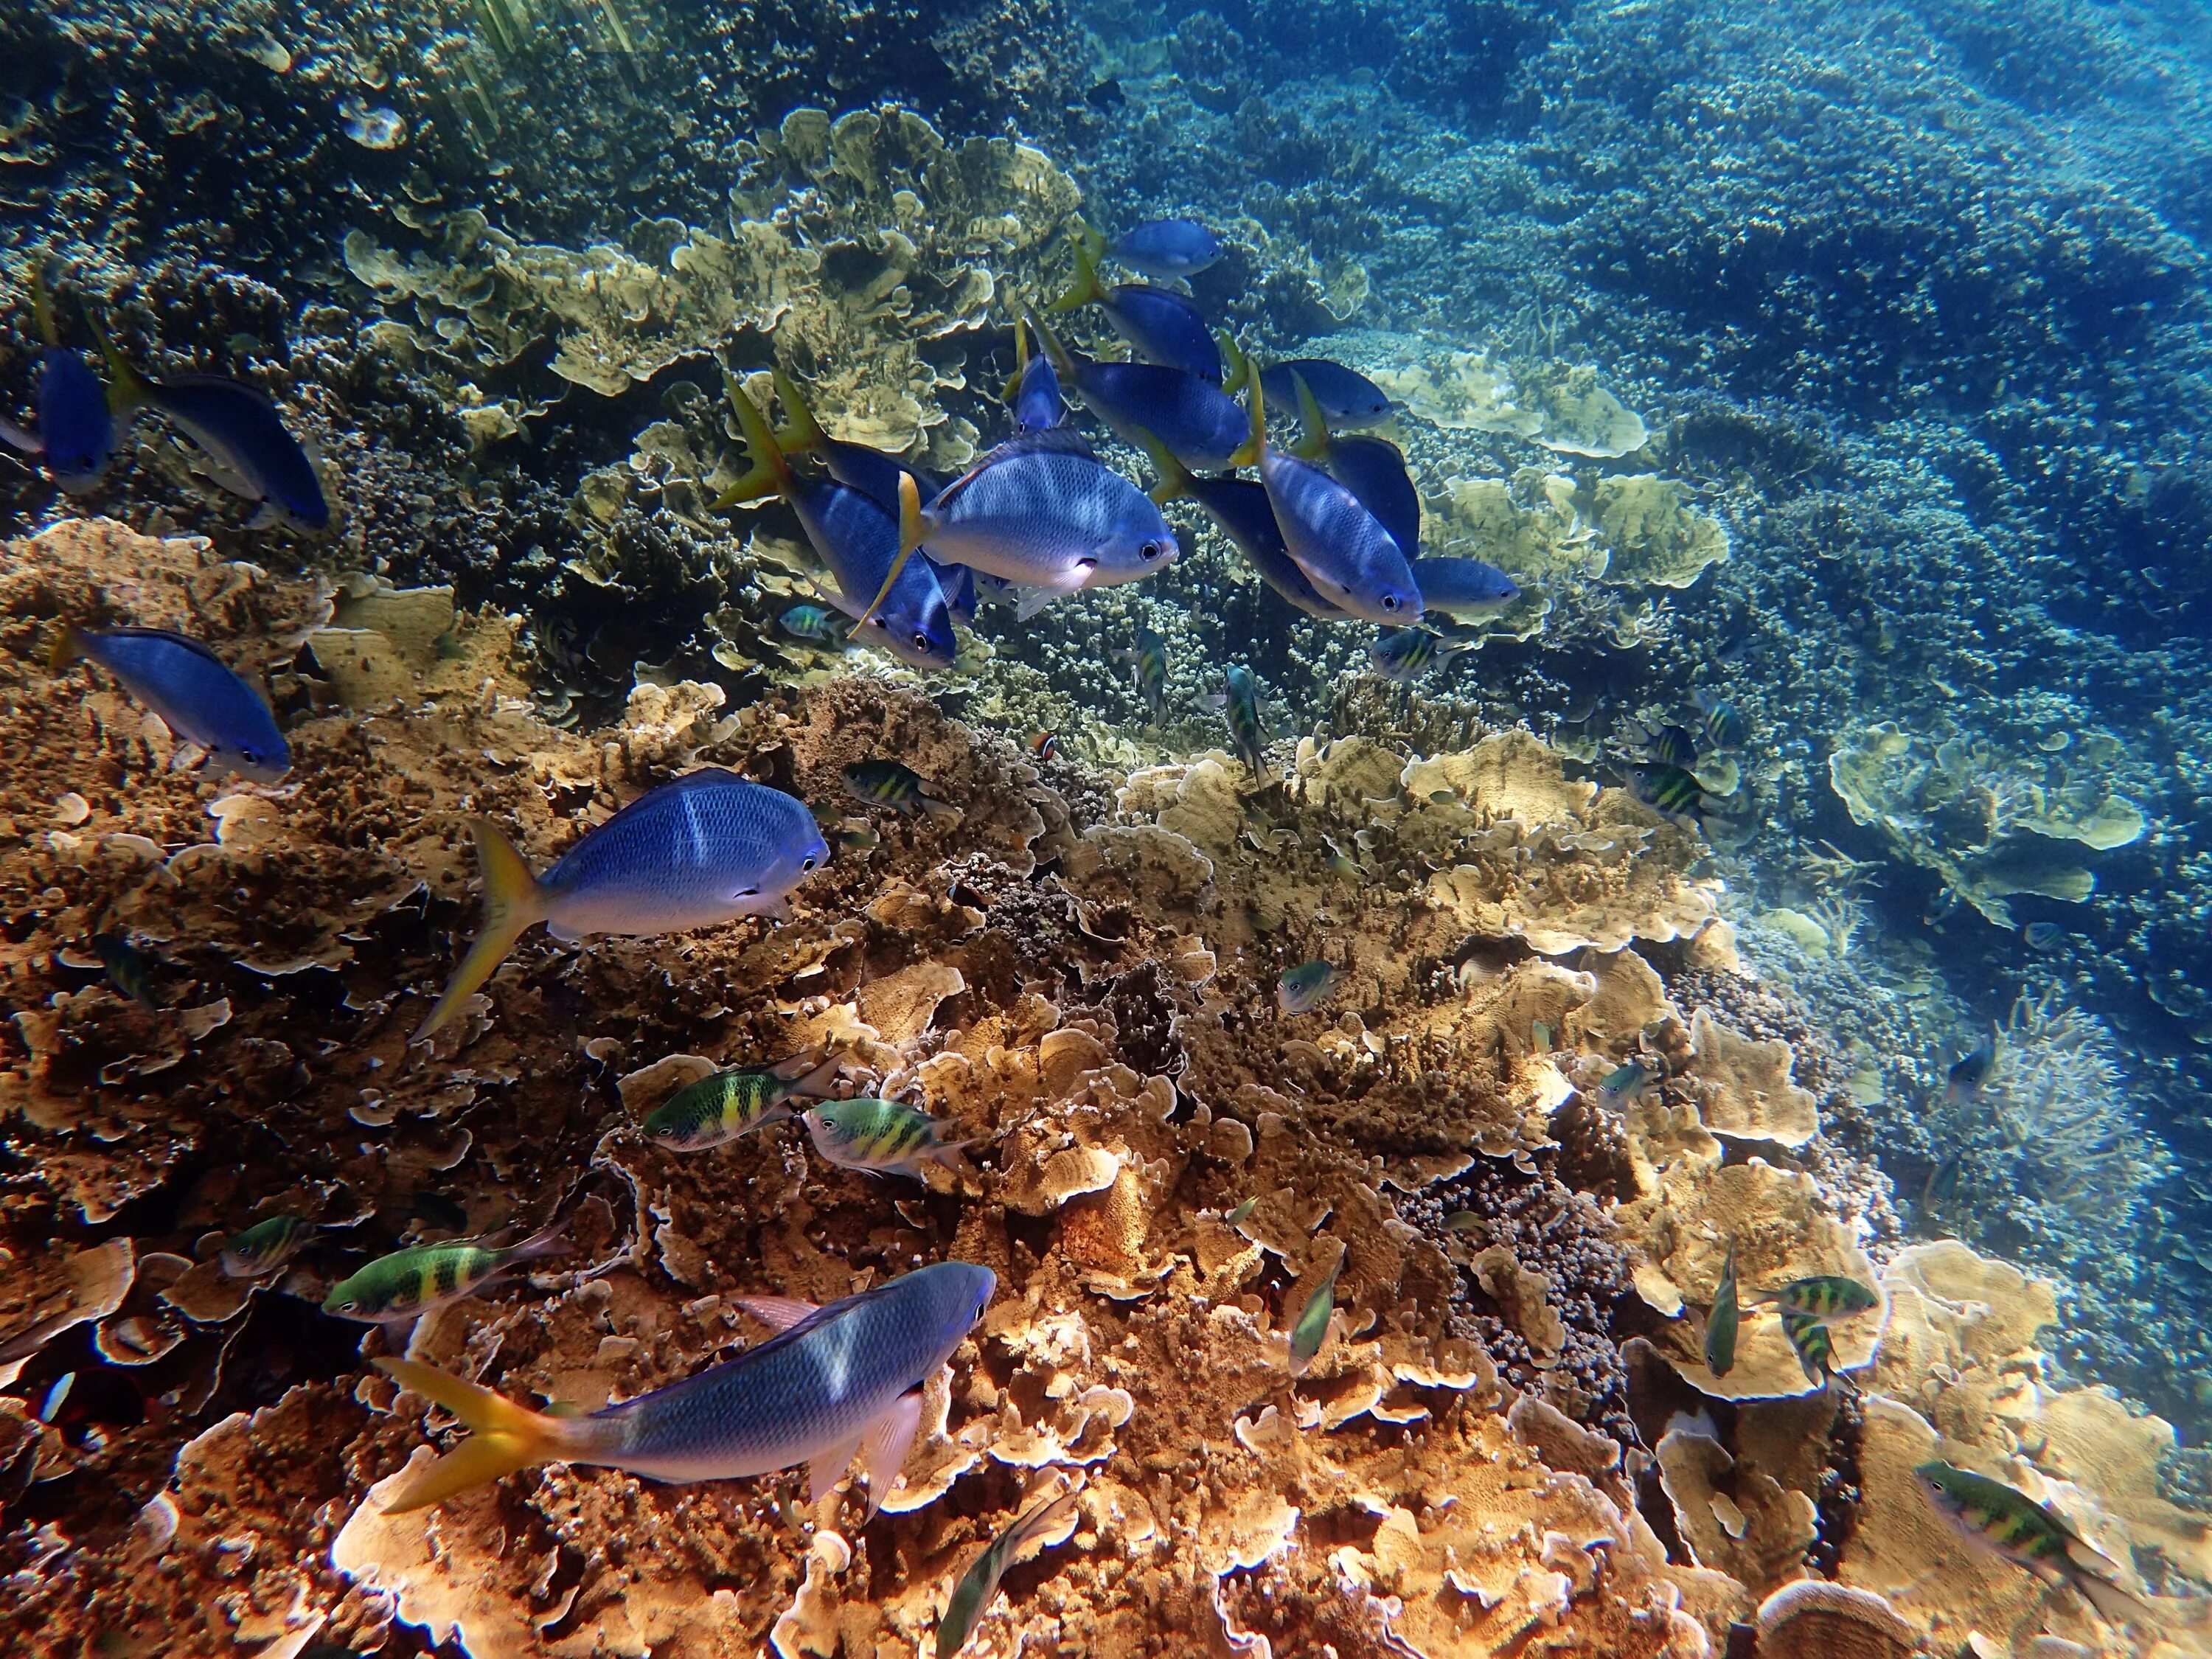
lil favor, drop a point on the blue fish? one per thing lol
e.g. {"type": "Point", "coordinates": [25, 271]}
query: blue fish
{"type": "Point", "coordinates": [1034, 392]}
{"type": "Point", "coordinates": [196, 695]}
{"type": "Point", "coordinates": [1348, 553]}
{"type": "Point", "coordinates": [76, 429]}
{"type": "Point", "coordinates": [1164, 248]}
{"type": "Point", "coordinates": [1199, 423]}
{"type": "Point", "coordinates": [1041, 511]}
{"type": "Point", "coordinates": [237, 427]}
{"type": "Point", "coordinates": [871, 471]}
{"type": "Point", "coordinates": [706, 849]}
{"type": "Point", "coordinates": [1373, 469]}
{"type": "Point", "coordinates": [1241, 509]}
{"type": "Point", "coordinates": [960, 595]}
{"type": "Point", "coordinates": [1160, 325]}
{"type": "Point", "coordinates": [1466, 589]}
{"type": "Point", "coordinates": [835, 1380]}
{"type": "Point", "coordinates": [859, 541]}
{"type": "Point", "coordinates": [1347, 396]}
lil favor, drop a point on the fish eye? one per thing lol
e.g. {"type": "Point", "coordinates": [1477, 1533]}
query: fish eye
{"type": "Point", "coordinates": [1390, 602]}
{"type": "Point", "coordinates": [1150, 550]}
{"type": "Point", "coordinates": [807, 863]}
{"type": "Point", "coordinates": [921, 640]}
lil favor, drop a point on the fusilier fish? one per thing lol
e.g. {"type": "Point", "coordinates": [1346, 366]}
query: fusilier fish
{"type": "Point", "coordinates": [880, 1137]}
{"type": "Point", "coordinates": [1962, 1083]}
{"type": "Point", "coordinates": [237, 427]}
{"type": "Point", "coordinates": [721, 1108]}
{"type": "Point", "coordinates": [1041, 511]}
{"type": "Point", "coordinates": [1306, 986]}
{"type": "Point", "coordinates": [1161, 325]}
{"type": "Point", "coordinates": [1197, 421]}
{"type": "Point", "coordinates": [196, 695]}
{"type": "Point", "coordinates": [883, 783]}
{"type": "Point", "coordinates": [971, 1596]}
{"type": "Point", "coordinates": [1241, 509]}
{"type": "Point", "coordinates": [835, 1380]}
{"type": "Point", "coordinates": [1372, 469]}
{"type": "Point", "coordinates": [2002, 1518]}
{"type": "Point", "coordinates": [1809, 1339]}
{"type": "Point", "coordinates": [858, 539]}
{"type": "Point", "coordinates": [265, 1246]}
{"type": "Point", "coordinates": [857, 466]}
{"type": "Point", "coordinates": [1347, 396]}
{"type": "Point", "coordinates": [1241, 706]}
{"type": "Point", "coordinates": [1312, 1328]}
{"type": "Point", "coordinates": [75, 437]}
{"type": "Point", "coordinates": [1162, 248]}
{"type": "Point", "coordinates": [408, 1284]}
{"type": "Point", "coordinates": [1038, 404]}
{"type": "Point", "coordinates": [1403, 654]}
{"type": "Point", "coordinates": [1467, 590]}
{"type": "Point", "coordinates": [1347, 554]}
{"type": "Point", "coordinates": [706, 849]}
{"type": "Point", "coordinates": [1826, 1295]}
{"type": "Point", "coordinates": [1723, 1320]}
{"type": "Point", "coordinates": [128, 969]}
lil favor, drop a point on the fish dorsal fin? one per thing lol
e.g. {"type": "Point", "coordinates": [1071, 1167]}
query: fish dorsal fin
{"type": "Point", "coordinates": [1255, 447]}
{"type": "Point", "coordinates": [184, 641]}
{"type": "Point", "coordinates": [780, 1313]}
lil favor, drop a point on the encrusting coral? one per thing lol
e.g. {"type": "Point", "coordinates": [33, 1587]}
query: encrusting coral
{"type": "Point", "coordinates": [1165, 1167]}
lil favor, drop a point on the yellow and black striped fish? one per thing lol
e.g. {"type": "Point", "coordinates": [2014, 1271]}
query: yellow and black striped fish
{"type": "Point", "coordinates": [410, 1283]}
{"type": "Point", "coordinates": [1826, 1295]}
{"type": "Point", "coordinates": [880, 1137]}
{"type": "Point", "coordinates": [2026, 1533]}
{"type": "Point", "coordinates": [886, 783]}
{"type": "Point", "coordinates": [727, 1104]}
{"type": "Point", "coordinates": [1815, 1348]}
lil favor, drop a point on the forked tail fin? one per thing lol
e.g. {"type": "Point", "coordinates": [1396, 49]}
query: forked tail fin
{"type": "Point", "coordinates": [1175, 482]}
{"type": "Point", "coordinates": [1084, 288]}
{"type": "Point", "coordinates": [1255, 447]}
{"type": "Point", "coordinates": [505, 1436]}
{"type": "Point", "coordinates": [770, 475]}
{"type": "Point", "coordinates": [912, 532]}
{"type": "Point", "coordinates": [800, 433]}
{"type": "Point", "coordinates": [513, 905]}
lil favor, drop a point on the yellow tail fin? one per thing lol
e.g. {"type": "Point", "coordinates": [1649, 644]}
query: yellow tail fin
{"type": "Point", "coordinates": [801, 433]}
{"type": "Point", "coordinates": [1063, 359]}
{"type": "Point", "coordinates": [505, 1436]}
{"type": "Point", "coordinates": [1313, 425]}
{"type": "Point", "coordinates": [42, 300]}
{"type": "Point", "coordinates": [912, 532]}
{"type": "Point", "coordinates": [126, 387]}
{"type": "Point", "coordinates": [513, 905]}
{"type": "Point", "coordinates": [1084, 288]}
{"type": "Point", "coordinates": [68, 646]}
{"type": "Point", "coordinates": [770, 475]}
{"type": "Point", "coordinates": [1176, 481]}
{"type": "Point", "coordinates": [1021, 362]}
{"type": "Point", "coordinates": [1255, 445]}
{"type": "Point", "coordinates": [1092, 239]}
{"type": "Point", "coordinates": [1235, 366]}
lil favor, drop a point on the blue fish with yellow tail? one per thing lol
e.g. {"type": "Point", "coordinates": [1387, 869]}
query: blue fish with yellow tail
{"type": "Point", "coordinates": [249, 451]}
{"type": "Point", "coordinates": [1373, 469]}
{"type": "Point", "coordinates": [1034, 392]}
{"type": "Point", "coordinates": [1240, 507]}
{"type": "Point", "coordinates": [1347, 396]}
{"type": "Point", "coordinates": [1160, 325]}
{"type": "Point", "coordinates": [1197, 421]}
{"type": "Point", "coordinates": [1041, 512]}
{"type": "Point", "coordinates": [706, 849]}
{"type": "Point", "coordinates": [873, 472]}
{"type": "Point", "coordinates": [834, 1380]}
{"type": "Point", "coordinates": [196, 695]}
{"type": "Point", "coordinates": [75, 437]}
{"type": "Point", "coordinates": [1347, 552]}
{"type": "Point", "coordinates": [1467, 590]}
{"type": "Point", "coordinates": [858, 540]}
{"type": "Point", "coordinates": [1161, 248]}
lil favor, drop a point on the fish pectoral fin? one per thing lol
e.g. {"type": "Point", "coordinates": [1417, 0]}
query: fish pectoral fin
{"type": "Point", "coordinates": [824, 1473]}
{"type": "Point", "coordinates": [778, 1313]}
{"type": "Point", "coordinates": [17, 439]}
{"type": "Point", "coordinates": [1033, 599]}
{"type": "Point", "coordinates": [890, 1437]}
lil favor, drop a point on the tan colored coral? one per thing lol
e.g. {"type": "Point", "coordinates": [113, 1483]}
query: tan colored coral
{"type": "Point", "coordinates": [1654, 537]}
{"type": "Point", "coordinates": [1747, 1091]}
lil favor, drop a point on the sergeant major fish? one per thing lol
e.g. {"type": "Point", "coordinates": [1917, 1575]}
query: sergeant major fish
{"type": "Point", "coordinates": [834, 1380]}
{"type": "Point", "coordinates": [1403, 654]}
{"type": "Point", "coordinates": [703, 850]}
{"type": "Point", "coordinates": [265, 1246]}
{"type": "Point", "coordinates": [810, 622]}
{"type": "Point", "coordinates": [1149, 657]}
{"type": "Point", "coordinates": [887, 783]}
{"type": "Point", "coordinates": [972, 1597]}
{"type": "Point", "coordinates": [75, 437]}
{"type": "Point", "coordinates": [1828, 1296]}
{"type": "Point", "coordinates": [198, 696]}
{"type": "Point", "coordinates": [408, 1284]}
{"type": "Point", "coordinates": [721, 1108]}
{"type": "Point", "coordinates": [880, 1137]}
{"type": "Point", "coordinates": [236, 427]}
{"type": "Point", "coordinates": [1351, 558]}
{"type": "Point", "coordinates": [2002, 1518]}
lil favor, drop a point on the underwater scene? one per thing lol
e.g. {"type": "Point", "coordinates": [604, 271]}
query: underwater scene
{"type": "Point", "coordinates": [1105, 827]}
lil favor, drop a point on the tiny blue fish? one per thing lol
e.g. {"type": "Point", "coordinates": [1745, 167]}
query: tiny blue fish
{"type": "Point", "coordinates": [1466, 590]}
{"type": "Point", "coordinates": [858, 540]}
{"type": "Point", "coordinates": [1199, 423]}
{"type": "Point", "coordinates": [1042, 513]}
{"type": "Point", "coordinates": [1035, 390]}
{"type": "Point", "coordinates": [1403, 654]}
{"type": "Point", "coordinates": [832, 1380]}
{"type": "Point", "coordinates": [76, 428]}
{"type": "Point", "coordinates": [1160, 325]}
{"type": "Point", "coordinates": [237, 427]}
{"type": "Point", "coordinates": [1240, 507]}
{"type": "Point", "coordinates": [1962, 1083]}
{"type": "Point", "coordinates": [1349, 555]}
{"type": "Point", "coordinates": [196, 695]}
{"type": "Point", "coordinates": [1623, 1083]}
{"type": "Point", "coordinates": [810, 622]}
{"type": "Point", "coordinates": [1247, 730]}
{"type": "Point", "coordinates": [1306, 986]}
{"type": "Point", "coordinates": [706, 849]}
{"type": "Point", "coordinates": [128, 969]}
{"type": "Point", "coordinates": [1163, 249]}
{"type": "Point", "coordinates": [1346, 397]}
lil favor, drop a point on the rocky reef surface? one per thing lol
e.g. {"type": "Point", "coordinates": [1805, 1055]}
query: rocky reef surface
{"type": "Point", "coordinates": [1509, 1435]}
